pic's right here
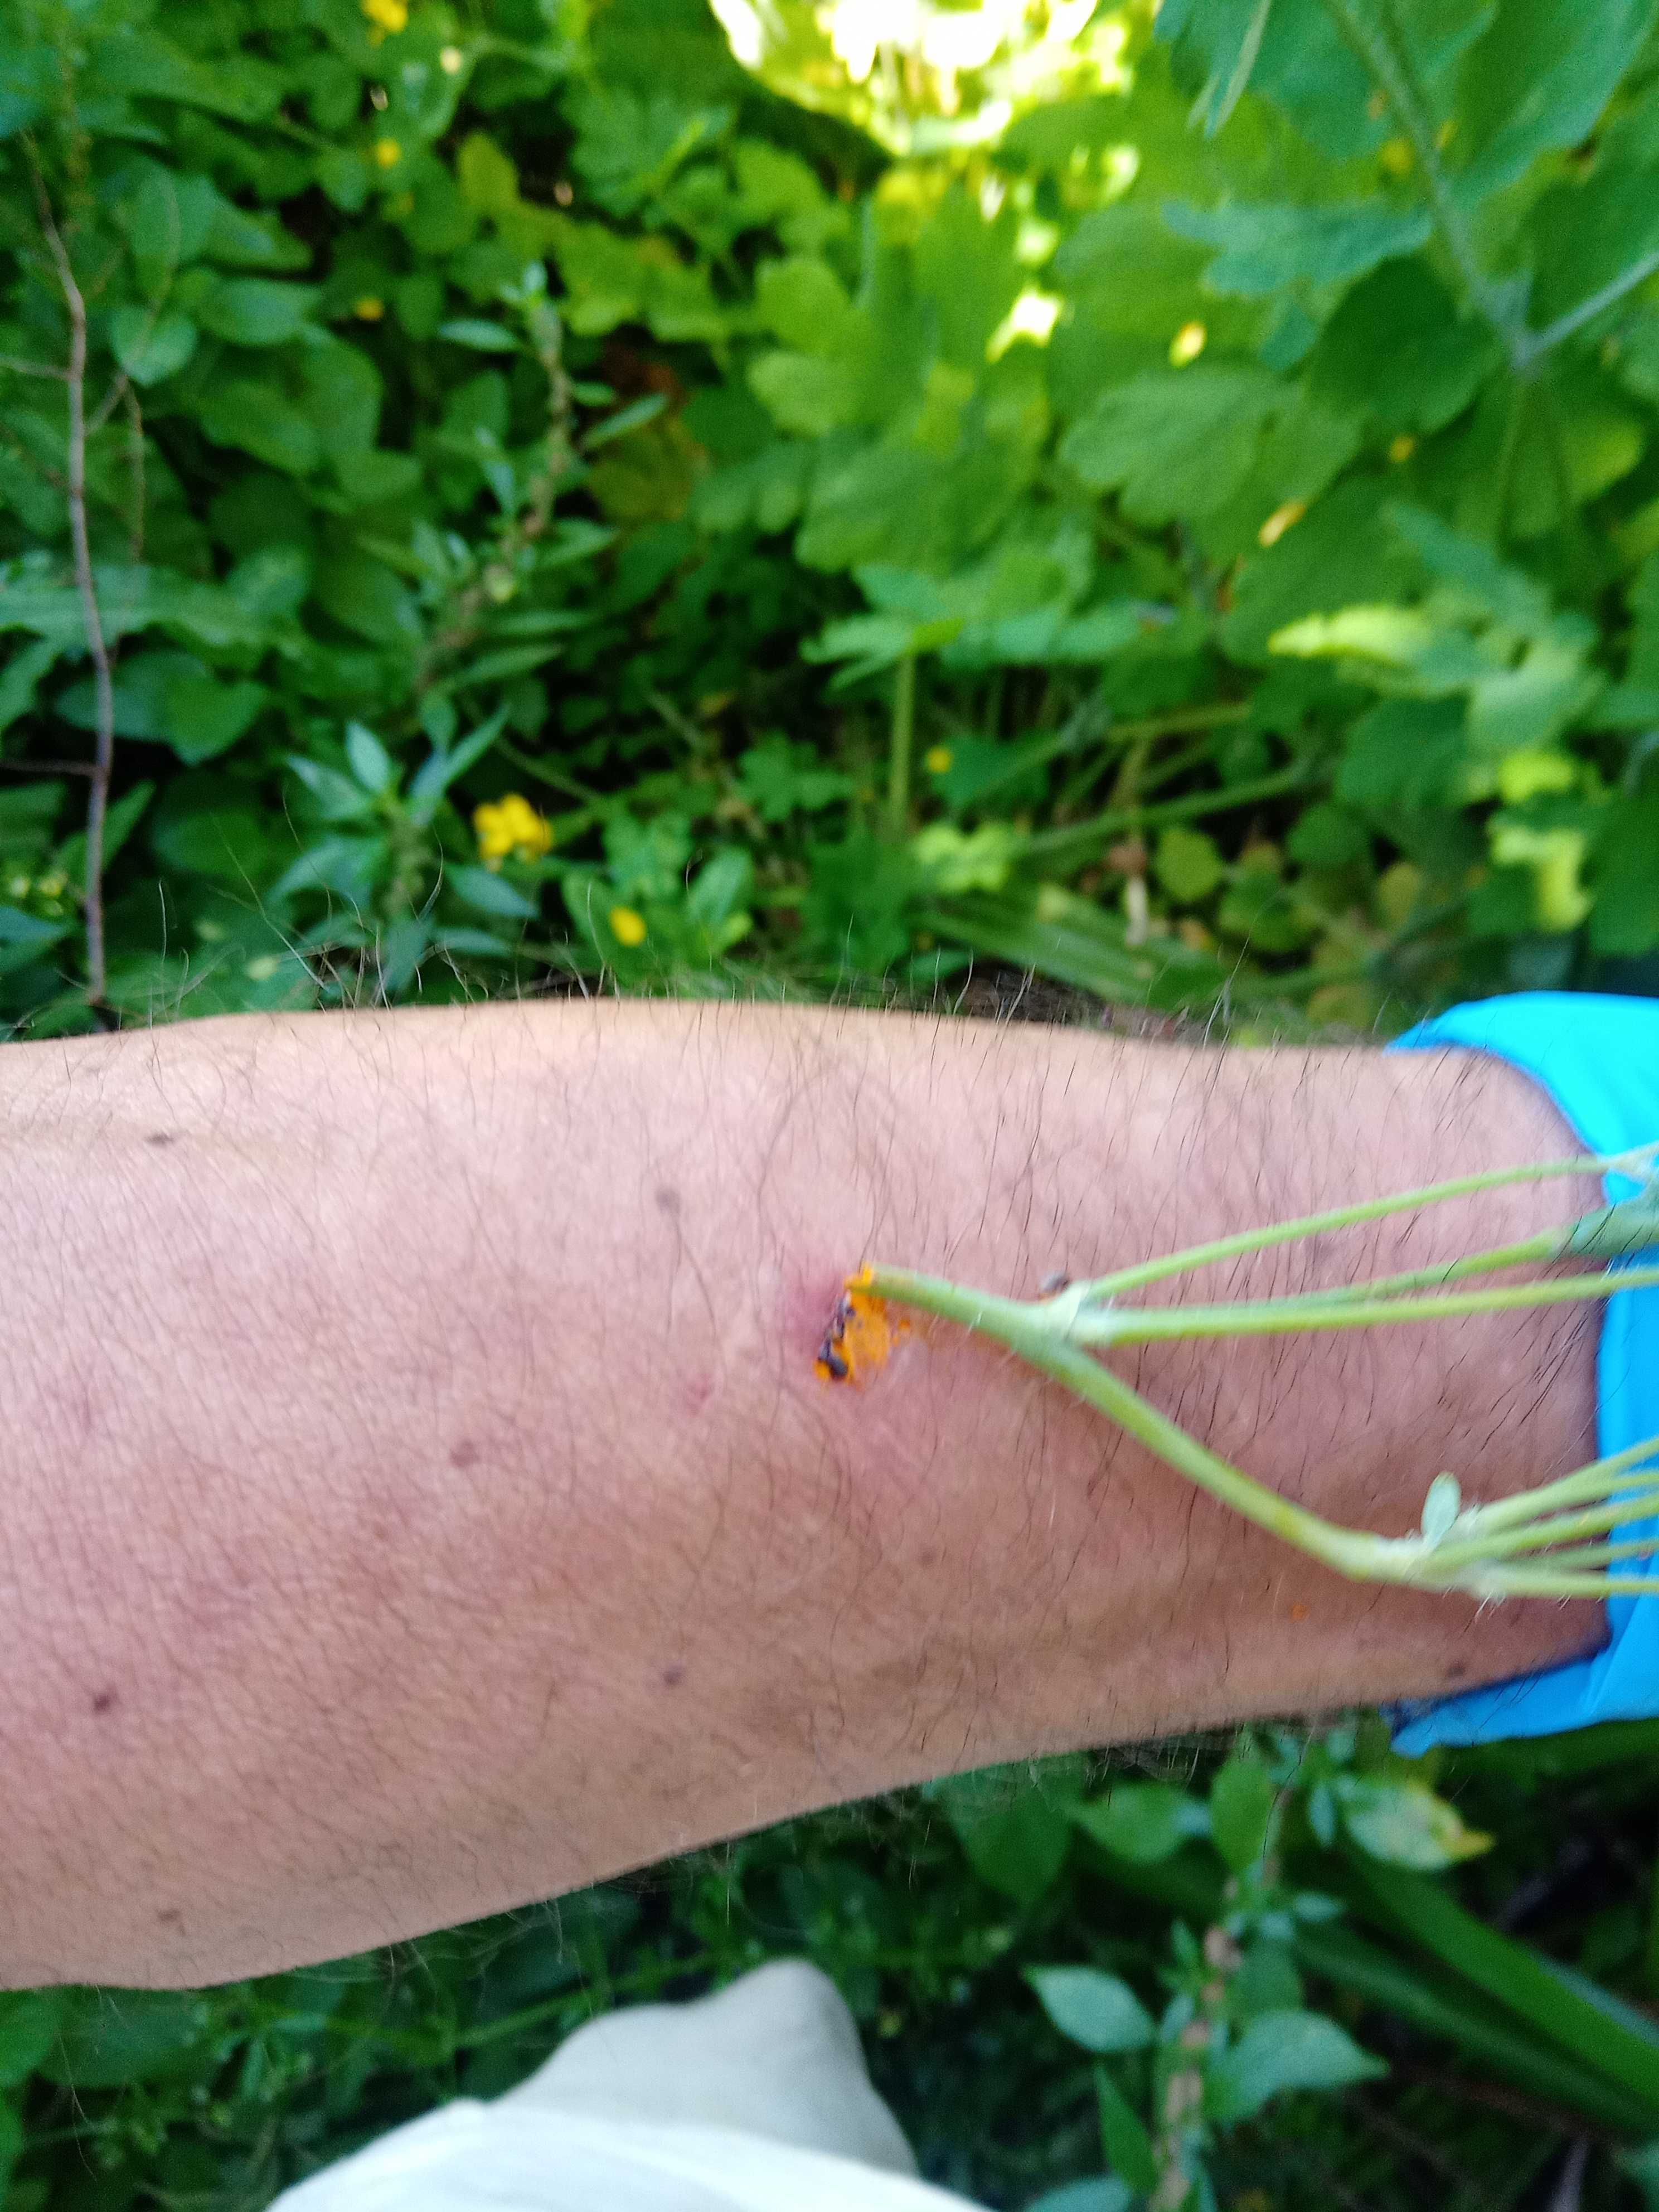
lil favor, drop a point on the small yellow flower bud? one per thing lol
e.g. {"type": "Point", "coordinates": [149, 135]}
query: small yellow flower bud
{"type": "Point", "coordinates": [450, 60]}
{"type": "Point", "coordinates": [627, 926]}
{"type": "Point", "coordinates": [937, 759]}
{"type": "Point", "coordinates": [1281, 519]}
{"type": "Point", "coordinates": [1187, 344]}
{"type": "Point", "coordinates": [388, 152]}
{"type": "Point", "coordinates": [368, 309]}
{"type": "Point", "coordinates": [1402, 447]}
{"type": "Point", "coordinates": [390, 15]}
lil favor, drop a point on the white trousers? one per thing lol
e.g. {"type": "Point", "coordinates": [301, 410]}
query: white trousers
{"type": "Point", "coordinates": [755, 2100]}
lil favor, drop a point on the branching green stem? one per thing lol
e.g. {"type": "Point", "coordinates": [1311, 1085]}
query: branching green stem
{"type": "Point", "coordinates": [1549, 1541]}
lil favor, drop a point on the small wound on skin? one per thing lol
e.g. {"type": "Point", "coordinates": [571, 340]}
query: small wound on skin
{"type": "Point", "coordinates": [860, 1335]}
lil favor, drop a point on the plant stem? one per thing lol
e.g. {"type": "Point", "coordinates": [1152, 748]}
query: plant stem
{"type": "Point", "coordinates": [1536, 344]}
{"type": "Point", "coordinates": [1386, 54]}
{"type": "Point", "coordinates": [103, 767]}
{"type": "Point", "coordinates": [1344, 1217]}
{"type": "Point", "coordinates": [1056, 845]}
{"type": "Point", "coordinates": [1010, 1322]}
{"type": "Point", "coordinates": [1598, 1480]}
{"type": "Point", "coordinates": [903, 745]}
{"type": "Point", "coordinates": [1287, 1316]}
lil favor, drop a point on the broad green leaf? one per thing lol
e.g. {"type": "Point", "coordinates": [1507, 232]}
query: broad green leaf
{"type": "Point", "coordinates": [800, 301]}
{"type": "Point", "coordinates": [20, 676]}
{"type": "Point", "coordinates": [1095, 2009]}
{"type": "Point", "coordinates": [1267, 1981]}
{"type": "Point", "coordinates": [108, 2036]}
{"type": "Point", "coordinates": [1403, 1822]}
{"type": "Point", "coordinates": [168, 217]}
{"type": "Point", "coordinates": [806, 394]}
{"type": "Point", "coordinates": [1014, 1834]}
{"type": "Point", "coordinates": [30, 76]}
{"type": "Point", "coordinates": [1264, 249]}
{"type": "Point", "coordinates": [370, 763]}
{"type": "Point", "coordinates": [488, 893]}
{"type": "Point", "coordinates": [339, 798]}
{"type": "Point", "coordinates": [1241, 1801]}
{"type": "Point", "coordinates": [1187, 863]}
{"type": "Point", "coordinates": [150, 347]}
{"type": "Point", "coordinates": [255, 311]}
{"type": "Point", "coordinates": [1281, 2051]}
{"type": "Point", "coordinates": [28, 2028]}
{"type": "Point", "coordinates": [1143, 1820]}
{"type": "Point", "coordinates": [479, 336]}
{"type": "Point", "coordinates": [1625, 919]}
{"type": "Point", "coordinates": [1586, 235]}
{"type": "Point", "coordinates": [130, 598]}
{"type": "Point", "coordinates": [1176, 442]}
{"type": "Point", "coordinates": [171, 699]}
{"type": "Point", "coordinates": [262, 421]}
{"type": "Point", "coordinates": [1397, 349]}
{"type": "Point", "coordinates": [1539, 78]}
{"type": "Point", "coordinates": [239, 86]}
{"type": "Point", "coordinates": [1124, 2136]}
{"type": "Point", "coordinates": [368, 598]}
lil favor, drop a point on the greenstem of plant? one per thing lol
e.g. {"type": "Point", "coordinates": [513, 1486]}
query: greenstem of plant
{"type": "Point", "coordinates": [1560, 1539]}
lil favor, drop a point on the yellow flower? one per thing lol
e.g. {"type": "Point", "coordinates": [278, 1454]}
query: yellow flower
{"type": "Point", "coordinates": [1188, 343]}
{"type": "Point", "coordinates": [513, 826]}
{"type": "Point", "coordinates": [450, 60]}
{"type": "Point", "coordinates": [390, 15]}
{"type": "Point", "coordinates": [1395, 157]}
{"type": "Point", "coordinates": [627, 926]}
{"type": "Point", "coordinates": [388, 152]}
{"type": "Point", "coordinates": [937, 759]}
{"type": "Point", "coordinates": [1402, 447]}
{"type": "Point", "coordinates": [368, 309]}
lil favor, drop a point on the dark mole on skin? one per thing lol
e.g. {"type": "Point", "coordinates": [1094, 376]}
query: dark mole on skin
{"type": "Point", "coordinates": [162, 1137]}
{"type": "Point", "coordinates": [170, 1917]}
{"type": "Point", "coordinates": [673, 1676]}
{"type": "Point", "coordinates": [668, 1198]}
{"type": "Point", "coordinates": [103, 1701]}
{"type": "Point", "coordinates": [464, 1454]}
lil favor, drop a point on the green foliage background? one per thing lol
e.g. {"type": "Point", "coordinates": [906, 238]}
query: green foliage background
{"type": "Point", "coordinates": [1173, 506]}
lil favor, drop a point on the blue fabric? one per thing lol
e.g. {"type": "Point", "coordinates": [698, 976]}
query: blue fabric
{"type": "Point", "coordinates": [1598, 1058]}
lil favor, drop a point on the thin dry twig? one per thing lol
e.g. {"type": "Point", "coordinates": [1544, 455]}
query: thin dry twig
{"type": "Point", "coordinates": [103, 764]}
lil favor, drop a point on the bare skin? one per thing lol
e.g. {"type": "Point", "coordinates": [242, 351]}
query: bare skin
{"type": "Point", "coordinates": [419, 1498]}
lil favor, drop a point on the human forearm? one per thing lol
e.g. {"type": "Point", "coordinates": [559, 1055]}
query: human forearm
{"type": "Point", "coordinates": [421, 1498]}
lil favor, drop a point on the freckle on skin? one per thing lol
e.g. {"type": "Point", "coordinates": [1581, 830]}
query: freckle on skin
{"type": "Point", "coordinates": [673, 1675]}
{"type": "Point", "coordinates": [170, 1917]}
{"type": "Point", "coordinates": [668, 1198]}
{"type": "Point", "coordinates": [464, 1452]}
{"type": "Point", "coordinates": [104, 1701]}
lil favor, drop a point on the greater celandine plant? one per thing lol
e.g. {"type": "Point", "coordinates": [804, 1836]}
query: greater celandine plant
{"type": "Point", "coordinates": [1560, 1539]}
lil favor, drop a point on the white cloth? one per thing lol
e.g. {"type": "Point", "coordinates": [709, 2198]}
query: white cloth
{"type": "Point", "coordinates": [756, 2099]}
